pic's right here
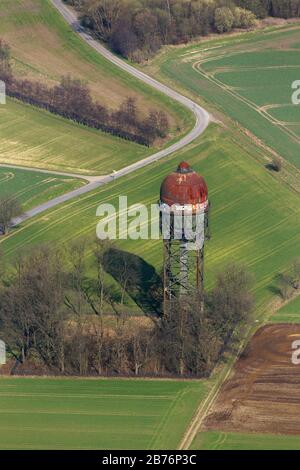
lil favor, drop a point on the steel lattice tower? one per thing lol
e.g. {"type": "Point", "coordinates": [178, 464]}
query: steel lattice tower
{"type": "Point", "coordinates": [184, 227]}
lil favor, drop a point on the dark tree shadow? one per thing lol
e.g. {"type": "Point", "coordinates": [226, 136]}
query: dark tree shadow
{"type": "Point", "coordinates": [280, 280]}
{"type": "Point", "coordinates": [271, 167]}
{"type": "Point", "coordinates": [275, 290]}
{"type": "Point", "coordinates": [138, 278]}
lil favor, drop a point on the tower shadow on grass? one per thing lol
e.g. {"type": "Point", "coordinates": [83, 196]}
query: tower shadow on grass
{"type": "Point", "coordinates": [138, 278]}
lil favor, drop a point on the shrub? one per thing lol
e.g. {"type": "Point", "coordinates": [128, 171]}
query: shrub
{"type": "Point", "coordinates": [224, 19]}
{"type": "Point", "coordinates": [243, 18]}
{"type": "Point", "coordinates": [277, 164]}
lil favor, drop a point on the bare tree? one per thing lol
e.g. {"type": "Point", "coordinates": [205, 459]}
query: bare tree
{"type": "Point", "coordinates": [30, 308]}
{"type": "Point", "coordinates": [104, 15]}
{"type": "Point", "coordinates": [277, 164]}
{"type": "Point", "coordinates": [140, 348]}
{"type": "Point", "coordinates": [9, 208]}
{"type": "Point", "coordinates": [231, 301]}
{"type": "Point", "coordinates": [4, 53]}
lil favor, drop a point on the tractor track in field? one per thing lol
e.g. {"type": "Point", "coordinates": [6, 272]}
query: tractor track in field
{"type": "Point", "coordinates": [201, 115]}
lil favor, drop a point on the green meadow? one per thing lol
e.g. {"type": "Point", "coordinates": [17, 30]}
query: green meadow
{"type": "Point", "coordinates": [32, 188]}
{"type": "Point", "coordinates": [247, 223]}
{"type": "Point", "coordinates": [34, 138]}
{"type": "Point", "coordinates": [255, 216]}
{"type": "Point", "coordinates": [96, 413]}
{"type": "Point", "coordinates": [45, 47]}
{"type": "Point", "coordinates": [249, 77]}
{"type": "Point", "coordinates": [290, 313]}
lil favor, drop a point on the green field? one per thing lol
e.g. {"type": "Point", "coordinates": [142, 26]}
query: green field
{"type": "Point", "coordinates": [254, 219]}
{"type": "Point", "coordinates": [214, 440]}
{"type": "Point", "coordinates": [247, 224]}
{"type": "Point", "coordinates": [35, 138]}
{"type": "Point", "coordinates": [248, 77]}
{"type": "Point", "coordinates": [44, 48]}
{"type": "Point", "coordinates": [96, 414]}
{"type": "Point", "coordinates": [290, 313]}
{"type": "Point", "coordinates": [32, 188]}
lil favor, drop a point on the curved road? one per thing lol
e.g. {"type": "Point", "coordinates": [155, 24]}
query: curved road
{"type": "Point", "coordinates": [202, 119]}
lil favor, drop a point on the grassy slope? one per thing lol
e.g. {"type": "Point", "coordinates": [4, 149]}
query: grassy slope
{"type": "Point", "coordinates": [34, 138]}
{"type": "Point", "coordinates": [249, 63]}
{"type": "Point", "coordinates": [44, 47]}
{"type": "Point", "coordinates": [31, 137]}
{"type": "Point", "coordinates": [95, 414]}
{"type": "Point", "coordinates": [247, 223]}
{"type": "Point", "coordinates": [32, 188]}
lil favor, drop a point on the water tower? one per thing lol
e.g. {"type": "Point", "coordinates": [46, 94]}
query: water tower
{"type": "Point", "coordinates": [183, 209]}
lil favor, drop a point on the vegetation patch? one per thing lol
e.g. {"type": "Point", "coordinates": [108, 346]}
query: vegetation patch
{"type": "Point", "coordinates": [250, 79]}
{"type": "Point", "coordinates": [58, 50]}
{"type": "Point", "coordinates": [33, 137]}
{"type": "Point", "coordinates": [248, 227]}
{"type": "Point", "coordinates": [96, 414]}
{"type": "Point", "coordinates": [72, 100]}
{"type": "Point", "coordinates": [32, 188]}
{"type": "Point", "coordinates": [290, 313]}
{"type": "Point", "coordinates": [137, 29]}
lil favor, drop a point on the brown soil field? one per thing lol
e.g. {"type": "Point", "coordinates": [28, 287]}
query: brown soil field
{"type": "Point", "coordinates": [263, 392]}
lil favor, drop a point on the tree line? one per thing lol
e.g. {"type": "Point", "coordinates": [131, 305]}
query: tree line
{"type": "Point", "coordinates": [277, 8]}
{"type": "Point", "coordinates": [136, 29]}
{"type": "Point", "coordinates": [71, 99]}
{"type": "Point", "coordinates": [59, 309]}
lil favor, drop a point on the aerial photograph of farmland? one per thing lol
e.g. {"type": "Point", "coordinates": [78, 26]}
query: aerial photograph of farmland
{"type": "Point", "coordinates": [149, 227]}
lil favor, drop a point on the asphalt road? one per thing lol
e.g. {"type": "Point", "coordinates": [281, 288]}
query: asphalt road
{"type": "Point", "coordinates": [202, 119]}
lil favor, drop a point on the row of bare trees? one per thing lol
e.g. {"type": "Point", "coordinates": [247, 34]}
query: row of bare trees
{"type": "Point", "coordinates": [278, 8]}
{"type": "Point", "coordinates": [72, 99]}
{"type": "Point", "coordinates": [138, 28]}
{"type": "Point", "coordinates": [59, 308]}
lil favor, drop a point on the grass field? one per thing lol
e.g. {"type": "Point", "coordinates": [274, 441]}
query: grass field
{"type": "Point", "coordinates": [248, 77]}
{"type": "Point", "coordinates": [247, 224]}
{"type": "Point", "coordinates": [32, 188]}
{"type": "Point", "coordinates": [214, 440]}
{"type": "Point", "coordinates": [95, 414]}
{"type": "Point", "coordinates": [290, 313]}
{"type": "Point", "coordinates": [254, 220]}
{"type": "Point", "coordinates": [58, 51]}
{"type": "Point", "coordinates": [34, 138]}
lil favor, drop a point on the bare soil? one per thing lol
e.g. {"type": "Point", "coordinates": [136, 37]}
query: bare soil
{"type": "Point", "coordinates": [263, 393]}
